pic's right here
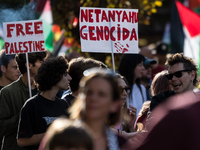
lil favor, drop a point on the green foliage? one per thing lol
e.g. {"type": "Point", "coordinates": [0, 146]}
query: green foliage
{"type": "Point", "coordinates": [64, 13]}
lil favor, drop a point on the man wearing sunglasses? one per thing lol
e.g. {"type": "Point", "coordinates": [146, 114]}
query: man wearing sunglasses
{"type": "Point", "coordinates": [182, 76]}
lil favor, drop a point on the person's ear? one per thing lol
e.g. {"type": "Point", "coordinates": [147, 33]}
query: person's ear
{"type": "Point", "coordinates": [193, 74]}
{"type": "Point", "coordinates": [115, 106]}
{"type": "Point", "coordinates": [30, 65]}
{"type": "Point", "coordinates": [3, 68]}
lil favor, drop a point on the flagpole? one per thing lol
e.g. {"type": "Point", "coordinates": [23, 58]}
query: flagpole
{"type": "Point", "coordinates": [113, 59]}
{"type": "Point", "coordinates": [28, 74]}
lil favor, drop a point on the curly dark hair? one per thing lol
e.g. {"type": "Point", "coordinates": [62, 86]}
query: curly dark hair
{"type": "Point", "coordinates": [32, 58]}
{"type": "Point", "coordinates": [51, 72]}
{"type": "Point", "coordinates": [188, 63]}
{"type": "Point", "coordinates": [76, 68]}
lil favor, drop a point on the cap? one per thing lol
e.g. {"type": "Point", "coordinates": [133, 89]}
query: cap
{"type": "Point", "coordinates": [162, 48]}
{"type": "Point", "coordinates": [149, 61]}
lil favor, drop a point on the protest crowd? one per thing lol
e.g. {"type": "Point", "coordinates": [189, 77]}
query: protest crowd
{"type": "Point", "coordinates": [98, 108]}
{"type": "Point", "coordinates": [151, 101]}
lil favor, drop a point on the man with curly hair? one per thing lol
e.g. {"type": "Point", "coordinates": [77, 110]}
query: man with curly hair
{"type": "Point", "coordinates": [13, 97]}
{"type": "Point", "coordinates": [42, 109]}
{"type": "Point", "coordinates": [182, 76]}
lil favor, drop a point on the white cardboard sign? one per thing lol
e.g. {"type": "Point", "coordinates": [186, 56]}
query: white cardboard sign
{"type": "Point", "coordinates": [108, 30]}
{"type": "Point", "coordinates": [23, 36]}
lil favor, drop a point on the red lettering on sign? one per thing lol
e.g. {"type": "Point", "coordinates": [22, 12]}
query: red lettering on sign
{"type": "Point", "coordinates": [104, 16]}
{"type": "Point", "coordinates": [33, 46]}
{"type": "Point", "coordinates": [97, 12]}
{"type": "Point", "coordinates": [16, 51]}
{"type": "Point", "coordinates": [111, 34]}
{"type": "Point", "coordinates": [124, 17]}
{"type": "Point", "coordinates": [99, 33]}
{"type": "Point", "coordinates": [20, 47]}
{"type": "Point", "coordinates": [37, 26]}
{"type": "Point", "coordinates": [131, 16]}
{"type": "Point", "coordinates": [9, 29]}
{"type": "Point", "coordinates": [84, 15]}
{"type": "Point", "coordinates": [83, 36]}
{"type": "Point", "coordinates": [118, 32]}
{"type": "Point", "coordinates": [30, 48]}
{"type": "Point", "coordinates": [37, 45]}
{"type": "Point", "coordinates": [111, 15]}
{"type": "Point", "coordinates": [118, 14]}
{"type": "Point", "coordinates": [19, 29]}
{"type": "Point", "coordinates": [136, 17]}
{"type": "Point", "coordinates": [133, 35]}
{"type": "Point", "coordinates": [26, 48]}
{"type": "Point", "coordinates": [91, 33]}
{"type": "Point", "coordinates": [90, 15]}
{"type": "Point", "coordinates": [6, 47]}
{"type": "Point", "coordinates": [11, 49]}
{"type": "Point", "coordinates": [125, 34]}
{"type": "Point", "coordinates": [27, 26]}
{"type": "Point", "coordinates": [106, 32]}
{"type": "Point", "coordinates": [41, 46]}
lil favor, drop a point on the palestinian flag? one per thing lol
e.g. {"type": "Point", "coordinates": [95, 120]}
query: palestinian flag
{"type": "Point", "coordinates": [47, 18]}
{"type": "Point", "coordinates": [185, 32]}
{"type": "Point", "coordinates": [1, 43]}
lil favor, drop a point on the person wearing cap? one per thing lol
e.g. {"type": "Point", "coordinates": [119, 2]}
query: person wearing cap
{"type": "Point", "coordinates": [161, 51]}
{"type": "Point", "coordinates": [147, 75]}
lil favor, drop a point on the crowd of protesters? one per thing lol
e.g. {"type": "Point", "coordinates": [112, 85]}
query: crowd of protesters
{"type": "Point", "coordinates": [82, 104]}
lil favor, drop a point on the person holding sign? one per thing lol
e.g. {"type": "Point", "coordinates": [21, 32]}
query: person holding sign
{"type": "Point", "coordinates": [42, 109]}
{"type": "Point", "coordinates": [131, 67]}
{"type": "Point", "coordinates": [13, 97]}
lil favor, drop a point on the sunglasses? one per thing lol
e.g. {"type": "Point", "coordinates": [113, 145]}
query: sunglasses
{"type": "Point", "coordinates": [177, 74]}
{"type": "Point", "coordinates": [127, 89]}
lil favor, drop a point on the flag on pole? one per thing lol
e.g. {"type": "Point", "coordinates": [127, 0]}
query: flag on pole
{"type": "Point", "coordinates": [47, 18]}
{"type": "Point", "coordinates": [191, 32]}
{"type": "Point", "coordinates": [1, 43]}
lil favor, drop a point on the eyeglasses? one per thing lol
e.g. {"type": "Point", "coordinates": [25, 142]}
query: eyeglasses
{"type": "Point", "coordinates": [127, 89]}
{"type": "Point", "coordinates": [177, 74]}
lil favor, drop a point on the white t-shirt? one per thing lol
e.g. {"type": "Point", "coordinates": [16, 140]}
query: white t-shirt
{"type": "Point", "coordinates": [137, 99]}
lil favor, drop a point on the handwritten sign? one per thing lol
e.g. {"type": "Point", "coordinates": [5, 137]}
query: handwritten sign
{"type": "Point", "coordinates": [109, 30]}
{"type": "Point", "coordinates": [23, 36]}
